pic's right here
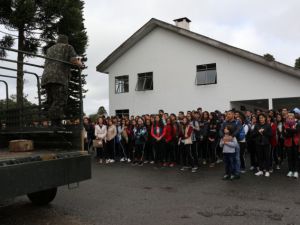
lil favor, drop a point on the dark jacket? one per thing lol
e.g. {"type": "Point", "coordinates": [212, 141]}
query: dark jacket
{"type": "Point", "coordinates": [236, 128]}
{"type": "Point", "coordinates": [265, 137]}
{"type": "Point", "coordinates": [140, 135]}
{"type": "Point", "coordinates": [90, 130]}
{"type": "Point", "coordinates": [213, 130]}
{"type": "Point", "coordinates": [204, 127]}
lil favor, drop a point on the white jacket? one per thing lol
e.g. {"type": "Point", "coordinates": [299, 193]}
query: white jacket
{"type": "Point", "coordinates": [100, 132]}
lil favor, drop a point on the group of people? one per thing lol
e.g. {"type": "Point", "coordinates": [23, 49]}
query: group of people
{"type": "Point", "coordinates": [198, 138]}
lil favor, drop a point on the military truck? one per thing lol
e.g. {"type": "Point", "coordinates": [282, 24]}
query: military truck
{"type": "Point", "coordinates": [57, 157]}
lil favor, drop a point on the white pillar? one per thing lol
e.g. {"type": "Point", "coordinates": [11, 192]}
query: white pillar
{"type": "Point", "coordinates": [270, 103]}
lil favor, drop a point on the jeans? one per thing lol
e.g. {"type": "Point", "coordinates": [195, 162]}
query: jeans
{"type": "Point", "coordinates": [110, 149]}
{"type": "Point", "coordinates": [139, 152]}
{"type": "Point", "coordinates": [229, 160]}
{"type": "Point", "coordinates": [251, 147]}
{"type": "Point", "coordinates": [195, 153]}
{"type": "Point", "coordinates": [212, 148]}
{"type": "Point", "coordinates": [170, 152]}
{"type": "Point", "coordinates": [242, 154]}
{"type": "Point", "coordinates": [159, 151]}
{"type": "Point", "coordinates": [187, 156]}
{"type": "Point", "coordinates": [237, 162]}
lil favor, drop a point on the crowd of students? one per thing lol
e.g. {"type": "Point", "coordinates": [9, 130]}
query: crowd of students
{"type": "Point", "coordinates": [198, 138]}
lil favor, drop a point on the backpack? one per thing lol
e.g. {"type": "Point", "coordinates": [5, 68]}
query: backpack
{"type": "Point", "coordinates": [241, 135]}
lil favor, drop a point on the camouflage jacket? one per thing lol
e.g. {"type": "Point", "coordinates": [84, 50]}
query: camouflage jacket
{"type": "Point", "coordinates": [58, 72]}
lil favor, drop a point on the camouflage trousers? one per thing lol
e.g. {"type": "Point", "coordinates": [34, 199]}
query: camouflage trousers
{"type": "Point", "coordinates": [57, 96]}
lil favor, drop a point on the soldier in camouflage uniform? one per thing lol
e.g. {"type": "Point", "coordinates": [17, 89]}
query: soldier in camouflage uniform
{"type": "Point", "coordinates": [56, 77]}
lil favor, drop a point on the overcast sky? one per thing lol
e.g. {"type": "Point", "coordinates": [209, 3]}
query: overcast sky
{"type": "Point", "coordinates": [269, 26]}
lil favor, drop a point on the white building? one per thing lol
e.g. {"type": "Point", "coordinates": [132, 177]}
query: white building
{"type": "Point", "coordinates": [162, 66]}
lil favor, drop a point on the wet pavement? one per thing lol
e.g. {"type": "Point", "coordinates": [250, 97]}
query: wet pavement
{"type": "Point", "coordinates": [133, 195]}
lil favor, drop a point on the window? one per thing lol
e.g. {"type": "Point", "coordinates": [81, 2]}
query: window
{"type": "Point", "coordinates": [122, 84]}
{"type": "Point", "coordinates": [122, 112]}
{"type": "Point", "coordinates": [144, 82]}
{"type": "Point", "coordinates": [206, 74]}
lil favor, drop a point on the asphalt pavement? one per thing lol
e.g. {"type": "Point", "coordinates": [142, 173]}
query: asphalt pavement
{"type": "Point", "coordinates": [122, 194]}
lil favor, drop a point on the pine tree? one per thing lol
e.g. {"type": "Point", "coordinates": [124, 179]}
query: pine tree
{"type": "Point", "coordinates": [269, 57]}
{"type": "Point", "coordinates": [7, 41]}
{"type": "Point", "coordinates": [102, 111]}
{"type": "Point", "coordinates": [72, 25]}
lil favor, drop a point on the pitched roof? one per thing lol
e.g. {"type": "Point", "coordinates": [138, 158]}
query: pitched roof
{"type": "Point", "coordinates": [154, 23]}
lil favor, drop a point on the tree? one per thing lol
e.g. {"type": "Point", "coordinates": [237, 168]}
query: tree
{"type": "Point", "coordinates": [12, 103]}
{"type": "Point", "coordinates": [297, 63]}
{"type": "Point", "coordinates": [71, 24]}
{"type": "Point", "coordinates": [102, 111]}
{"type": "Point", "coordinates": [10, 116]}
{"type": "Point", "coordinates": [7, 42]}
{"type": "Point", "coordinates": [94, 117]}
{"type": "Point", "coordinates": [269, 57]}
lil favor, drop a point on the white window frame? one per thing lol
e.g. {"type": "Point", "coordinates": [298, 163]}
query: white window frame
{"type": "Point", "coordinates": [120, 84]}
{"type": "Point", "coordinates": [204, 74]}
{"type": "Point", "coordinates": [141, 84]}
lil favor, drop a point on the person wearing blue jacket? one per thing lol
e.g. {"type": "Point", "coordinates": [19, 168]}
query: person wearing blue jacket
{"type": "Point", "coordinates": [140, 137]}
{"type": "Point", "coordinates": [229, 144]}
{"type": "Point", "coordinates": [236, 128]}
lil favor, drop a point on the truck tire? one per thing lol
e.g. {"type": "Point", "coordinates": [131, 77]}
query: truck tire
{"type": "Point", "coordinates": [44, 197]}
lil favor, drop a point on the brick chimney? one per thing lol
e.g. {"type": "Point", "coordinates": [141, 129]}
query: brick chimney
{"type": "Point", "coordinates": [183, 22]}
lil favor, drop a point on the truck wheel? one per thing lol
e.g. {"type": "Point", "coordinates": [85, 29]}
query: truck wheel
{"type": "Point", "coordinates": [44, 197]}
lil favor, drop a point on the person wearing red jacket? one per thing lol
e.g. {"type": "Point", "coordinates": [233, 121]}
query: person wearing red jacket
{"type": "Point", "coordinates": [158, 132]}
{"type": "Point", "coordinates": [291, 132]}
{"type": "Point", "coordinates": [170, 148]}
{"type": "Point", "coordinates": [186, 138]}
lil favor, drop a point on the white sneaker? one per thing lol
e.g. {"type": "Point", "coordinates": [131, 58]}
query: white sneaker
{"type": "Point", "coordinates": [152, 162]}
{"type": "Point", "coordinates": [259, 173]}
{"type": "Point", "coordinates": [296, 175]}
{"type": "Point", "coordinates": [267, 174]}
{"type": "Point", "coordinates": [252, 168]}
{"type": "Point", "coordinates": [122, 160]}
{"type": "Point", "coordinates": [128, 160]}
{"type": "Point", "coordinates": [290, 174]}
{"type": "Point", "coordinates": [111, 160]}
{"type": "Point", "coordinates": [107, 161]}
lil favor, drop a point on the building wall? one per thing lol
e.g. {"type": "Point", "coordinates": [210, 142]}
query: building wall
{"type": "Point", "coordinates": [173, 59]}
